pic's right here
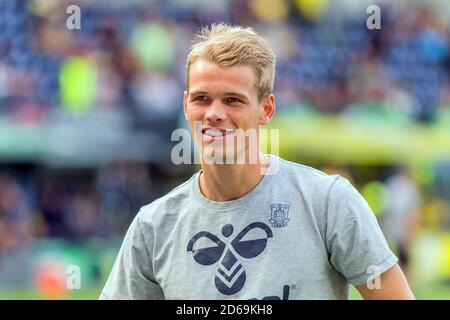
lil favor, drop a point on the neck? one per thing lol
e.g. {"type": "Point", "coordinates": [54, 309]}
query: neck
{"type": "Point", "coordinates": [226, 182]}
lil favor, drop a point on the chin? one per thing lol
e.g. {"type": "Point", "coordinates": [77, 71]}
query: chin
{"type": "Point", "coordinates": [218, 156]}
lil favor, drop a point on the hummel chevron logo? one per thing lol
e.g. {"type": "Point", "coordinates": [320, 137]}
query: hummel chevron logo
{"type": "Point", "coordinates": [230, 275]}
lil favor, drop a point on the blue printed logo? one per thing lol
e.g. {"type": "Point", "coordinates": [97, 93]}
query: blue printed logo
{"type": "Point", "coordinates": [280, 215]}
{"type": "Point", "coordinates": [230, 275]}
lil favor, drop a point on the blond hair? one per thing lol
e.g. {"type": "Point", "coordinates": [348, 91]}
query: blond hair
{"type": "Point", "coordinates": [229, 46]}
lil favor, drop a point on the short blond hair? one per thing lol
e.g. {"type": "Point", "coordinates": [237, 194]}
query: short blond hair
{"type": "Point", "coordinates": [230, 46]}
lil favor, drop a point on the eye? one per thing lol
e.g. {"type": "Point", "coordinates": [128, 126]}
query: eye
{"type": "Point", "coordinates": [233, 100]}
{"type": "Point", "coordinates": [201, 98]}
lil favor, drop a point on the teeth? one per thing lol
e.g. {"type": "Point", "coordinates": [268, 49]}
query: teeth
{"type": "Point", "coordinates": [214, 133]}
{"type": "Point", "coordinates": [217, 133]}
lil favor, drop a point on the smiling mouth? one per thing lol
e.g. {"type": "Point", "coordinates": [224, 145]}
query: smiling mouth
{"type": "Point", "coordinates": [216, 134]}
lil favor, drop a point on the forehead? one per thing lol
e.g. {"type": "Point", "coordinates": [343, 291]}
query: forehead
{"type": "Point", "coordinates": [210, 77]}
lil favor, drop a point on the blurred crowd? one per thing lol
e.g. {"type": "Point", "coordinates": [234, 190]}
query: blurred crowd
{"type": "Point", "coordinates": [36, 203]}
{"type": "Point", "coordinates": [131, 54]}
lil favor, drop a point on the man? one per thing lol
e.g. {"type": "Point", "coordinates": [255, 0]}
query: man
{"type": "Point", "coordinates": [265, 229]}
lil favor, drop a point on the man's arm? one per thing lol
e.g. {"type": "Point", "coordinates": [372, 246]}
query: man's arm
{"type": "Point", "coordinates": [393, 286]}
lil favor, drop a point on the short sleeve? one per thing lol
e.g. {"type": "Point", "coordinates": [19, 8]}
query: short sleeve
{"type": "Point", "coordinates": [356, 245]}
{"type": "Point", "coordinates": [132, 276]}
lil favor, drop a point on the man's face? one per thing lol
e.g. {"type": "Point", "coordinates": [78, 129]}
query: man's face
{"type": "Point", "coordinates": [222, 101]}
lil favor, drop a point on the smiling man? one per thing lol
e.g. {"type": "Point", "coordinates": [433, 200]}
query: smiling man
{"type": "Point", "coordinates": [234, 231]}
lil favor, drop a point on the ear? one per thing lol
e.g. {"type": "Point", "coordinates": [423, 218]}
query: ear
{"type": "Point", "coordinates": [267, 110]}
{"type": "Point", "coordinates": [185, 99]}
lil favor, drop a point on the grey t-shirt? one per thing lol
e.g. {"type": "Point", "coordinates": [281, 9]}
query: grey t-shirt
{"type": "Point", "coordinates": [299, 234]}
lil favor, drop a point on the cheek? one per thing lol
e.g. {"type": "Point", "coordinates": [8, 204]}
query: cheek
{"type": "Point", "coordinates": [244, 118]}
{"type": "Point", "coordinates": [191, 119]}
{"type": "Point", "coordinates": [194, 112]}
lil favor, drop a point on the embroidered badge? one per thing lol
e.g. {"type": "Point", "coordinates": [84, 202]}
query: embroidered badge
{"type": "Point", "coordinates": [280, 215]}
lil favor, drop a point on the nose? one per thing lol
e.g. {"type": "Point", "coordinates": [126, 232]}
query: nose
{"type": "Point", "coordinates": [216, 112]}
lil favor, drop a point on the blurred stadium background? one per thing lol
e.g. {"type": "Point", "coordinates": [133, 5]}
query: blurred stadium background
{"type": "Point", "coordinates": [86, 117]}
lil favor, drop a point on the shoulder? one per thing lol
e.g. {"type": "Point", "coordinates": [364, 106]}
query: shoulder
{"type": "Point", "coordinates": [315, 188]}
{"type": "Point", "coordinates": [308, 178]}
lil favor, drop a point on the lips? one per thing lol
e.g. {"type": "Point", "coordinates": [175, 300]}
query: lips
{"type": "Point", "coordinates": [213, 134]}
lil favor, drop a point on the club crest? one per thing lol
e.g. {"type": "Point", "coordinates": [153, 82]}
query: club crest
{"type": "Point", "coordinates": [279, 215]}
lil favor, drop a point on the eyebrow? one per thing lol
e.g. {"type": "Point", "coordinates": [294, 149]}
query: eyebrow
{"type": "Point", "coordinates": [194, 93]}
{"type": "Point", "coordinates": [236, 94]}
{"type": "Point", "coordinates": [242, 96]}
